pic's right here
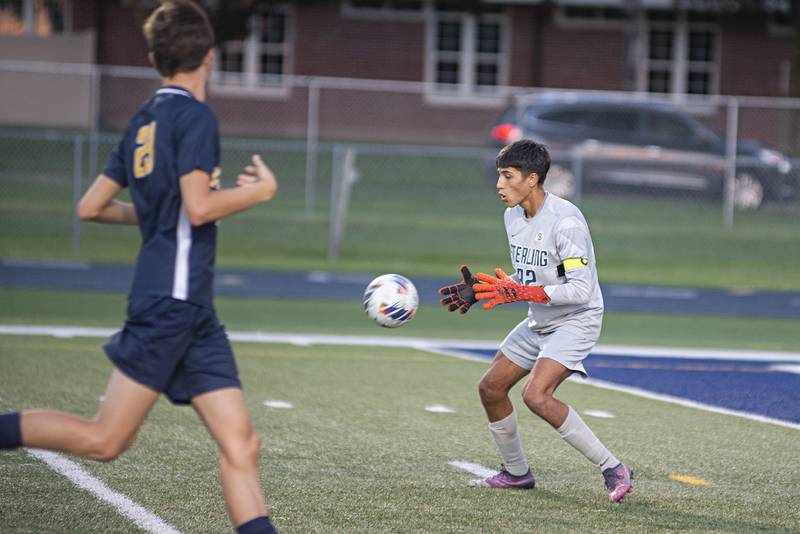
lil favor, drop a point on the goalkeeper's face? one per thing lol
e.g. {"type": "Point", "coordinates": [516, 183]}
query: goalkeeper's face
{"type": "Point", "coordinates": [513, 187]}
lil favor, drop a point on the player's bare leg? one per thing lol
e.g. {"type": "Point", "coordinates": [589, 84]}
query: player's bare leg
{"type": "Point", "coordinates": [225, 414]}
{"type": "Point", "coordinates": [493, 389]}
{"type": "Point", "coordinates": [495, 384]}
{"type": "Point", "coordinates": [103, 438]}
{"type": "Point", "coordinates": [545, 378]}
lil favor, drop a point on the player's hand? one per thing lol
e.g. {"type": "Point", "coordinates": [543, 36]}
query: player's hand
{"type": "Point", "coordinates": [503, 289]}
{"type": "Point", "coordinates": [260, 178]}
{"type": "Point", "coordinates": [460, 296]}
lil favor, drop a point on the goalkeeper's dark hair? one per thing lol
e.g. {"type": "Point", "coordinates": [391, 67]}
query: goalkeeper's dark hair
{"type": "Point", "coordinates": [526, 155]}
{"type": "Point", "coordinates": [179, 35]}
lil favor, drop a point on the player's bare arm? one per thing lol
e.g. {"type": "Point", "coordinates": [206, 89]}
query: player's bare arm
{"type": "Point", "coordinates": [99, 204]}
{"type": "Point", "coordinates": [203, 205]}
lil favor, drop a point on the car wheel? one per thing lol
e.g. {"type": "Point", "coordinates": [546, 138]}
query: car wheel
{"type": "Point", "coordinates": [748, 193]}
{"type": "Point", "coordinates": [560, 181]}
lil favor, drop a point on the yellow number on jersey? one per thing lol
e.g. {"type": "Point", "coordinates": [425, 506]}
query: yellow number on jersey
{"type": "Point", "coordinates": [144, 155]}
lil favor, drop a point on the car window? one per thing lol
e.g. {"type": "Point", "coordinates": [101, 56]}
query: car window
{"type": "Point", "coordinates": [668, 126]}
{"type": "Point", "coordinates": [617, 119]}
{"type": "Point", "coordinates": [577, 117]}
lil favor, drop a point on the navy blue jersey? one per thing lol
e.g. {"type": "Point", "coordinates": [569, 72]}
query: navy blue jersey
{"type": "Point", "coordinates": [171, 135]}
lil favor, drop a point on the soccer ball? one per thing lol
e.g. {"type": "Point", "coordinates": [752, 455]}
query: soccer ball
{"type": "Point", "coordinates": [391, 300]}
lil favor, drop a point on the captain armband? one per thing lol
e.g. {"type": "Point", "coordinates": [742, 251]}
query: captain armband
{"type": "Point", "coordinates": [570, 264]}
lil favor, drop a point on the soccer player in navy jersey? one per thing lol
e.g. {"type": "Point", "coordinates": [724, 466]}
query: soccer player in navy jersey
{"type": "Point", "coordinates": [172, 341]}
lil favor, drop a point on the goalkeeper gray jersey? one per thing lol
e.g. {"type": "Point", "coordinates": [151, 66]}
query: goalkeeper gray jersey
{"type": "Point", "coordinates": [556, 236]}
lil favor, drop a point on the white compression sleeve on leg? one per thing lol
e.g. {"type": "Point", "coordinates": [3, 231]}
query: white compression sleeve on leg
{"type": "Point", "coordinates": [508, 443]}
{"type": "Point", "coordinates": [576, 433]}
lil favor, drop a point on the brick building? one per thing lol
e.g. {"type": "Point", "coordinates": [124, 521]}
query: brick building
{"type": "Point", "coordinates": [457, 62]}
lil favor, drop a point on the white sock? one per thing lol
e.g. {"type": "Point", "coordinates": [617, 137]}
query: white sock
{"type": "Point", "coordinates": [506, 437]}
{"type": "Point", "coordinates": [576, 433]}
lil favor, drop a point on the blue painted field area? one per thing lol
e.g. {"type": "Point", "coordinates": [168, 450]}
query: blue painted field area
{"type": "Point", "coordinates": [765, 388]}
{"type": "Point", "coordinates": [77, 276]}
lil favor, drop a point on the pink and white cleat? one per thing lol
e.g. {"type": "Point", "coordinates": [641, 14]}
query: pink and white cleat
{"type": "Point", "coordinates": [618, 482]}
{"type": "Point", "coordinates": [506, 480]}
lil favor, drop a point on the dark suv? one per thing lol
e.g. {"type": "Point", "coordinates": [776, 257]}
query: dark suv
{"type": "Point", "coordinates": [653, 146]}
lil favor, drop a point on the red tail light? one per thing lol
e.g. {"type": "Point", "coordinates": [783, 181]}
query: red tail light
{"type": "Point", "coordinates": [506, 133]}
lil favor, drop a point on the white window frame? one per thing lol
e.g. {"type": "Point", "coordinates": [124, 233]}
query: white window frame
{"type": "Point", "coordinates": [29, 18]}
{"type": "Point", "coordinates": [680, 65]}
{"type": "Point", "coordinates": [252, 81]}
{"type": "Point", "coordinates": [466, 91]}
{"type": "Point", "coordinates": [385, 12]}
{"type": "Point", "coordinates": [600, 23]}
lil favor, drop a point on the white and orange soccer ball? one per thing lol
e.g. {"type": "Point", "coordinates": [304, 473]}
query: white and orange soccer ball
{"type": "Point", "coordinates": [391, 300]}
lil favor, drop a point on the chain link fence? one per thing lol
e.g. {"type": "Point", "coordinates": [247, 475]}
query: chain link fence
{"type": "Point", "coordinates": [378, 175]}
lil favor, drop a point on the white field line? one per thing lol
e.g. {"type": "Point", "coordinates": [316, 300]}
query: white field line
{"type": "Point", "coordinates": [442, 346]}
{"type": "Point", "coordinates": [445, 347]}
{"type": "Point", "coordinates": [279, 404]}
{"type": "Point", "coordinates": [602, 414]}
{"type": "Point", "coordinates": [697, 354]}
{"type": "Point", "coordinates": [141, 516]}
{"type": "Point", "coordinates": [785, 368]}
{"type": "Point", "coordinates": [454, 353]}
{"type": "Point", "coordinates": [475, 469]}
{"type": "Point", "coordinates": [439, 408]}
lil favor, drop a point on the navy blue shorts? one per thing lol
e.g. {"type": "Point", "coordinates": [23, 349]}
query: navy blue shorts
{"type": "Point", "coordinates": [174, 347]}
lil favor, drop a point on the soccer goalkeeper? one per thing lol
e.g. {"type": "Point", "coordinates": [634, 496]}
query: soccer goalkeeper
{"type": "Point", "coordinates": [552, 252]}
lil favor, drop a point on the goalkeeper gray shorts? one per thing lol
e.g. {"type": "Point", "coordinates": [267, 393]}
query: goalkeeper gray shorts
{"type": "Point", "coordinates": [569, 344]}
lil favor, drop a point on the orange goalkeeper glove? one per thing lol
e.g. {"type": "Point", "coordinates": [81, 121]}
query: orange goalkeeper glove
{"type": "Point", "coordinates": [503, 289]}
{"type": "Point", "coordinates": [460, 296]}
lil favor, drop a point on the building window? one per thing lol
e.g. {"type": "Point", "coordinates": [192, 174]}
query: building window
{"type": "Point", "coordinates": [682, 56]}
{"type": "Point", "coordinates": [467, 53]}
{"type": "Point", "coordinates": [779, 24]}
{"type": "Point", "coordinates": [263, 58]}
{"type": "Point", "coordinates": [35, 17]}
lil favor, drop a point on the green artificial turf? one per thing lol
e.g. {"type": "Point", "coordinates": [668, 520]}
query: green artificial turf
{"type": "Point", "coordinates": [358, 452]}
